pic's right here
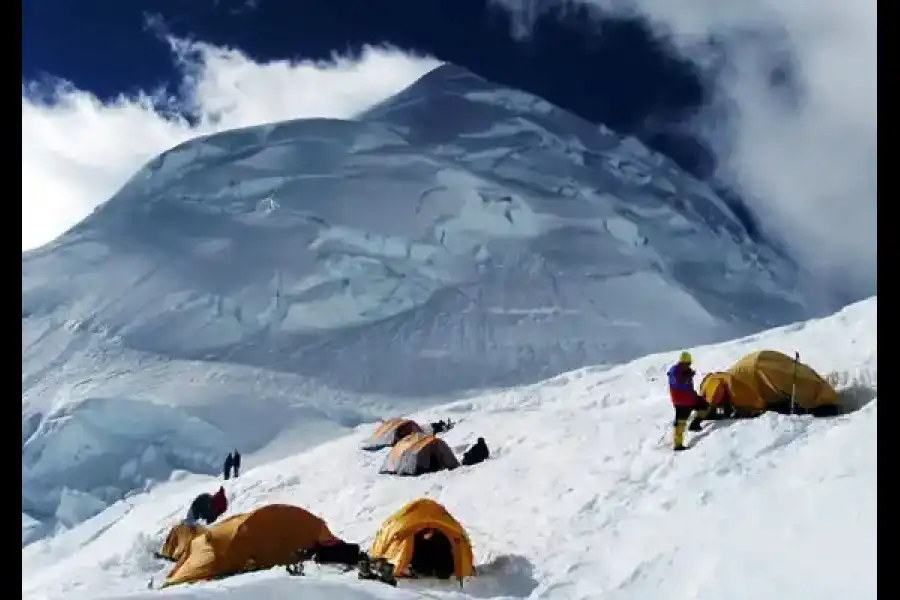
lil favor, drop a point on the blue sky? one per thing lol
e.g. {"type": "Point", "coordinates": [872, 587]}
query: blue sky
{"type": "Point", "coordinates": [104, 83]}
{"type": "Point", "coordinates": [117, 49]}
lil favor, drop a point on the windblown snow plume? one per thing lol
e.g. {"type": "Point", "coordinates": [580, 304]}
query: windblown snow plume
{"type": "Point", "coordinates": [794, 118]}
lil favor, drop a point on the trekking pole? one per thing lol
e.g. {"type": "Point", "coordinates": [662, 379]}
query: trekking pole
{"type": "Point", "coordinates": [662, 436]}
{"type": "Point", "coordinates": [794, 380]}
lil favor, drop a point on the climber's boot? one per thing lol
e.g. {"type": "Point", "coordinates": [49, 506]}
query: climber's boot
{"type": "Point", "coordinates": [678, 436]}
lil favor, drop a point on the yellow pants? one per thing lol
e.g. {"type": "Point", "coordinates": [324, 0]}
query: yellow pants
{"type": "Point", "coordinates": [678, 434]}
{"type": "Point", "coordinates": [682, 413]}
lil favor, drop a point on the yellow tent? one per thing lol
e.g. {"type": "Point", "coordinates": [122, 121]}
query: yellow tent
{"type": "Point", "coordinates": [396, 540]}
{"type": "Point", "coordinates": [417, 454]}
{"type": "Point", "coordinates": [178, 540]}
{"type": "Point", "coordinates": [259, 539]}
{"type": "Point", "coordinates": [764, 380]}
{"type": "Point", "coordinates": [390, 432]}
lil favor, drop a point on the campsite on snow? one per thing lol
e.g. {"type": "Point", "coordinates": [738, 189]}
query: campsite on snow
{"type": "Point", "coordinates": [548, 364]}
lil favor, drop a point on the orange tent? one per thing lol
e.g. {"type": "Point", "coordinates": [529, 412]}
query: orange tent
{"type": "Point", "coordinates": [178, 540]}
{"type": "Point", "coordinates": [395, 540]}
{"type": "Point", "coordinates": [259, 539]}
{"type": "Point", "coordinates": [417, 454]}
{"type": "Point", "coordinates": [390, 432]}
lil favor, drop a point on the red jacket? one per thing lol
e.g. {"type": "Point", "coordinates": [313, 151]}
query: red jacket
{"type": "Point", "coordinates": [681, 386]}
{"type": "Point", "coordinates": [219, 503]}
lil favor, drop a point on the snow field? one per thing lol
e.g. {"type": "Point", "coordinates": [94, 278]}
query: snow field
{"type": "Point", "coordinates": [581, 499]}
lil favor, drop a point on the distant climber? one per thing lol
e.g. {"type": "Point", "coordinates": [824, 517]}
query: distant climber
{"type": "Point", "coordinates": [477, 453]}
{"type": "Point", "coordinates": [207, 507]}
{"type": "Point", "coordinates": [684, 398]}
{"type": "Point", "coordinates": [226, 468]}
{"type": "Point", "coordinates": [236, 462]}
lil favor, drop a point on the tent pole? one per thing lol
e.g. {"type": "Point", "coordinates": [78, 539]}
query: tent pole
{"type": "Point", "coordinates": [794, 380]}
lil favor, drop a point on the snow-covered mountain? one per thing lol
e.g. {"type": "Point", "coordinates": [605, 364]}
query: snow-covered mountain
{"type": "Point", "coordinates": [312, 275]}
{"type": "Point", "coordinates": [581, 499]}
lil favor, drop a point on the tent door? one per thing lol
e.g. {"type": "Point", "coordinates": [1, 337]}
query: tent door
{"type": "Point", "coordinates": [432, 555]}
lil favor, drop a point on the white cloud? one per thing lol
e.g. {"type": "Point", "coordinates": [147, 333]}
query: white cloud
{"type": "Point", "coordinates": [77, 151]}
{"type": "Point", "coordinates": [812, 167]}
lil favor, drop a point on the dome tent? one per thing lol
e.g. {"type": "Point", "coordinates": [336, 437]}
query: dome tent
{"type": "Point", "coordinates": [260, 539]}
{"type": "Point", "coordinates": [417, 454]}
{"type": "Point", "coordinates": [178, 541]}
{"type": "Point", "coordinates": [390, 432]}
{"type": "Point", "coordinates": [765, 380]}
{"type": "Point", "coordinates": [397, 539]}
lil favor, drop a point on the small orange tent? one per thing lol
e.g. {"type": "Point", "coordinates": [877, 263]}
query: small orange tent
{"type": "Point", "coordinates": [260, 539]}
{"type": "Point", "coordinates": [178, 540]}
{"type": "Point", "coordinates": [390, 432]}
{"type": "Point", "coordinates": [395, 540]}
{"type": "Point", "coordinates": [765, 380]}
{"type": "Point", "coordinates": [417, 454]}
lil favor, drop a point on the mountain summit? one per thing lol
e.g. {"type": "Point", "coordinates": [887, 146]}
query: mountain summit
{"type": "Point", "coordinates": [456, 235]}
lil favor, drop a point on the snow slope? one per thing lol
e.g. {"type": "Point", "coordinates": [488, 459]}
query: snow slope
{"type": "Point", "coordinates": [581, 498]}
{"type": "Point", "coordinates": [308, 276]}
